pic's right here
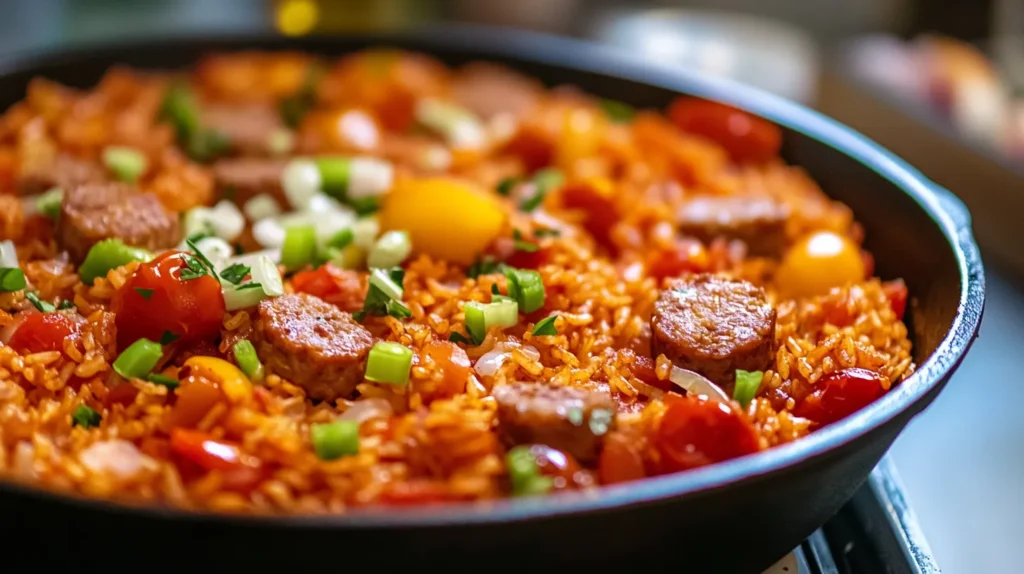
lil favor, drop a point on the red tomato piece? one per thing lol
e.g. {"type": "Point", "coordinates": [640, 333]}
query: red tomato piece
{"type": "Point", "coordinates": [155, 301]}
{"type": "Point", "coordinates": [840, 394]}
{"type": "Point", "coordinates": [41, 332]}
{"type": "Point", "coordinates": [453, 363]}
{"type": "Point", "coordinates": [240, 471]}
{"type": "Point", "coordinates": [686, 256]}
{"type": "Point", "coordinates": [521, 259]}
{"type": "Point", "coordinates": [341, 287]}
{"type": "Point", "coordinates": [897, 293]}
{"type": "Point", "coordinates": [747, 138]}
{"type": "Point", "coordinates": [697, 431]}
{"type": "Point", "coordinates": [619, 461]}
{"type": "Point", "coordinates": [123, 394]}
{"type": "Point", "coordinates": [195, 398]}
{"type": "Point", "coordinates": [595, 199]}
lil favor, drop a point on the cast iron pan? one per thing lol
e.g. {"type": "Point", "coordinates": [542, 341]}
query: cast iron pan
{"type": "Point", "coordinates": [739, 516]}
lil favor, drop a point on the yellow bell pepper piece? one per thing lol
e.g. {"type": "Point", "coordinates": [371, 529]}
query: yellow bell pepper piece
{"type": "Point", "coordinates": [448, 219]}
{"type": "Point", "coordinates": [233, 383]}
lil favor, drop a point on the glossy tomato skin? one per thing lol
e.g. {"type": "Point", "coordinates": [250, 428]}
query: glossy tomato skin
{"type": "Point", "coordinates": [41, 332]}
{"type": "Point", "coordinates": [341, 287]}
{"type": "Point", "coordinates": [897, 293]}
{"type": "Point", "coordinates": [564, 470]}
{"type": "Point", "coordinates": [155, 301]}
{"type": "Point", "coordinates": [840, 394]}
{"type": "Point", "coordinates": [620, 460]}
{"type": "Point", "coordinates": [239, 471]}
{"type": "Point", "coordinates": [686, 256]}
{"type": "Point", "coordinates": [697, 431]}
{"type": "Point", "coordinates": [453, 363]}
{"type": "Point", "coordinates": [747, 138]}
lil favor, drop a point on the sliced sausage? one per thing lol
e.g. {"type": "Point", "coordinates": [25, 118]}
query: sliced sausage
{"type": "Point", "coordinates": [92, 212]}
{"type": "Point", "coordinates": [760, 222]}
{"type": "Point", "coordinates": [248, 127]}
{"type": "Point", "coordinates": [65, 172]}
{"type": "Point", "coordinates": [312, 343]}
{"type": "Point", "coordinates": [567, 418]}
{"type": "Point", "coordinates": [242, 179]}
{"type": "Point", "coordinates": [488, 90]}
{"type": "Point", "coordinates": [713, 325]}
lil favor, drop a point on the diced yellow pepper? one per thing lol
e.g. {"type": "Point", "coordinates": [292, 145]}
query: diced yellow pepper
{"type": "Point", "coordinates": [233, 383]}
{"type": "Point", "coordinates": [448, 219]}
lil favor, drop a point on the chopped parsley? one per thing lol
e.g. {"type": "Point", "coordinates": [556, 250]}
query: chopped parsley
{"type": "Point", "coordinates": [545, 326]}
{"type": "Point", "coordinates": [163, 380]}
{"type": "Point", "coordinates": [381, 304]}
{"type": "Point", "coordinates": [144, 293]}
{"type": "Point", "coordinates": [168, 337]}
{"type": "Point", "coordinates": [85, 417]}
{"type": "Point", "coordinates": [249, 285]}
{"type": "Point", "coordinates": [44, 306]}
{"type": "Point", "coordinates": [65, 305]}
{"type": "Point", "coordinates": [522, 244]}
{"type": "Point", "coordinates": [485, 266]}
{"type": "Point", "coordinates": [198, 265]}
{"type": "Point", "coordinates": [544, 180]}
{"type": "Point", "coordinates": [364, 206]}
{"type": "Point", "coordinates": [506, 185]}
{"type": "Point", "coordinates": [456, 337]}
{"type": "Point", "coordinates": [235, 273]}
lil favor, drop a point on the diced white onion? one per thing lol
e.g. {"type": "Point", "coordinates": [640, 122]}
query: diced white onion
{"type": "Point", "coordinates": [281, 141]}
{"type": "Point", "coordinates": [261, 207]}
{"type": "Point", "coordinates": [264, 271]}
{"type": "Point", "coordinates": [228, 221]}
{"type": "Point", "coordinates": [460, 128]}
{"type": "Point", "coordinates": [366, 409]}
{"type": "Point", "coordinates": [216, 250]}
{"type": "Point", "coordinates": [300, 181]}
{"type": "Point", "coordinates": [8, 254]}
{"type": "Point", "coordinates": [379, 278]}
{"type": "Point", "coordinates": [197, 221]}
{"type": "Point", "coordinates": [491, 361]}
{"type": "Point", "coordinates": [249, 259]}
{"type": "Point", "coordinates": [268, 232]}
{"type": "Point", "coordinates": [369, 177]}
{"type": "Point", "coordinates": [365, 231]}
{"type": "Point", "coordinates": [390, 250]}
{"type": "Point", "coordinates": [435, 158]}
{"type": "Point", "coordinates": [696, 384]}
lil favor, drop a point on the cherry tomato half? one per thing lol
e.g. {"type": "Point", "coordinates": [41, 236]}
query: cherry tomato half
{"type": "Point", "coordinates": [840, 394]}
{"type": "Point", "coordinates": [620, 461]}
{"type": "Point", "coordinates": [747, 138]}
{"type": "Point", "coordinates": [697, 431]}
{"type": "Point", "coordinates": [596, 199]}
{"type": "Point", "coordinates": [240, 471]}
{"type": "Point", "coordinates": [686, 256]}
{"type": "Point", "coordinates": [40, 332]}
{"type": "Point", "coordinates": [340, 287]}
{"type": "Point", "coordinates": [155, 301]}
{"type": "Point", "coordinates": [897, 293]}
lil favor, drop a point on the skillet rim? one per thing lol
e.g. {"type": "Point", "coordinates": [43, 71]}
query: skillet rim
{"type": "Point", "coordinates": [908, 398]}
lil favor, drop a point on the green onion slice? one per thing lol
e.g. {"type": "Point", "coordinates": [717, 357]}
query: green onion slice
{"type": "Point", "coordinates": [245, 356]}
{"type": "Point", "coordinates": [12, 279]}
{"type": "Point", "coordinates": [138, 359]}
{"type": "Point", "coordinates": [335, 439]}
{"type": "Point", "coordinates": [85, 417]}
{"type": "Point", "coordinates": [747, 383]}
{"type": "Point", "coordinates": [106, 255]}
{"type": "Point", "coordinates": [389, 362]}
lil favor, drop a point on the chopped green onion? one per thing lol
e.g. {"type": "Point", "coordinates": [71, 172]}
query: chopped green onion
{"type": "Point", "coordinates": [476, 322]}
{"type": "Point", "coordinates": [456, 337]}
{"type": "Point", "coordinates": [548, 178]}
{"type": "Point", "coordinates": [485, 266]}
{"type": "Point", "coordinates": [138, 359]}
{"type": "Point", "coordinates": [524, 473]}
{"type": "Point", "coordinates": [389, 362]}
{"type": "Point", "coordinates": [365, 232]}
{"type": "Point", "coordinates": [85, 417]}
{"type": "Point", "coordinates": [44, 306]}
{"type": "Point", "coordinates": [299, 247]}
{"type": "Point", "coordinates": [168, 337]}
{"type": "Point", "coordinates": [334, 174]}
{"type": "Point", "coordinates": [526, 287]}
{"type": "Point", "coordinates": [335, 439]}
{"type": "Point", "coordinates": [364, 205]}
{"type": "Point", "coordinates": [342, 239]}
{"type": "Point", "coordinates": [380, 279]}
{"type": "Point", "coordinates": [617, 112]}
{"type": "Point", "coordinates": [235, 273]}
{"type": "Point", "coordinates": [206, 144]}
{"type": "Point", "coordinates": [545, 326]}
{"type": "Point", "coordinates": [747, 383]}
{"type": "Point", "coordinates": [12, 279]}
{"type": "Point", "coordinates": [48, 203]}
{"type": "Point", "coordinates": [521, 244]}
{"type": "Point", "coordinates": [109, 254]}
{"type": "Point", "coordinates": [245, 356]}
{"type": "Point", "coordinates": [163, 380]}
{"type": "Point", "coordinates": [379, 303]}
{"type": "Point", "coordinates": [144, 293]}
{"type": "Point", "coordinates": [127, 164]}
{"type": "Point", "coordinates": [294, 107]}
{"type": "Point", "coordinates": [65, 305]}
{"type": "Point", "coordinates": [503, 312]}
{"type": "Point", "coordinates": [179, 107]}
{"type": "Point", "coordinates": [390, 250]}
{"type": "Point", "coordinates": [505, 186]}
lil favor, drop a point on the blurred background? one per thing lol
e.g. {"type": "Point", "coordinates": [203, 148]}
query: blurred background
{"type": "Point", "coordinates": [939, 83]}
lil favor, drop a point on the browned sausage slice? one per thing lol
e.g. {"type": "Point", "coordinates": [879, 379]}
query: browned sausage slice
{"type": "Point", "coordinates": [312, 343]}
{"type": "Point", "coordinates": [93, 212]}
{"type": "Point", "coordinates": [569, 419]}
{"type": "Point", "coordinates": [248, 127]}
{"type": "Point", "coordinates": [760, 222]}
{"type": "Point", "coordinates": [242, 179]}
{"type": "Point", "coordinates": [64, 172]}
{"type": "Point", "coordinates": [713, 325]}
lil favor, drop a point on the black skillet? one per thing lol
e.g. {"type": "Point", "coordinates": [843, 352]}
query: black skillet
{"type": "Point", "coordinates": [739, 516]}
